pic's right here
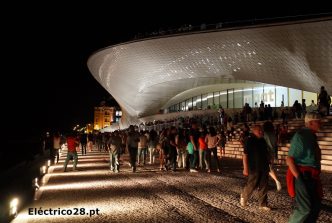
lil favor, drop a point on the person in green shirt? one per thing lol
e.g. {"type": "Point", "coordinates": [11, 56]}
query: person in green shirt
{"type": "Point", "coordinates": [304, 163]}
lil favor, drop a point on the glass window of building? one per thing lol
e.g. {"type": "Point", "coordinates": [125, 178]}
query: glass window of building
{"type": "Point", "coordinates": [194, 103]}
{"type": "Point", "coordinates": [269, 95]}
{"type": "Point", "coordinates": [294, 95]}
{"type": "Point", "coordinates": [223, 99]}
{"type": "Point", "coordinates": [199, 102]}
{"type": "Point", "coordinates": [247, 96]}
{"type": "Point", "coordinates": [188, 105]}
{"type": "Point", "coordinates": [281, 95]}
{"type": "Point", "coordinates": [230, 97]}
{"type": "Point", "coordinates": [183, 106]}
{"type": "Point", "coordinates": [238, 98]}
{"type": "Point", "coordinates": [210, 100]}
{"type": "Point", "coordinates": [216, 98]}
{"type": "Point", "coordinates": [177, 107]}
{"type": "Point", "coordinates": [309, 96]}
{"type": "Point", "coordinates": [258, 94]}
{"type": "Point", "coordinates": [204, 101]}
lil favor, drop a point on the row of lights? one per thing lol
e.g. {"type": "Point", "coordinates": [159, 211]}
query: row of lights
{"type": "Point", "coordinates": [13, 205]}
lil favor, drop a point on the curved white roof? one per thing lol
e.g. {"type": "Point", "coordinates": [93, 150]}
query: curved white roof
{"type": "Point", "coordinates": [147, 75]}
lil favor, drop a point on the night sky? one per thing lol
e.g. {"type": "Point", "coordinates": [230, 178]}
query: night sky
{"type": "Point", "coordinates": [45, 80]}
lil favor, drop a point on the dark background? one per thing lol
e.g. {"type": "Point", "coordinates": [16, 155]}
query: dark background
{"type": "Point", "coordinates": [45, 80]}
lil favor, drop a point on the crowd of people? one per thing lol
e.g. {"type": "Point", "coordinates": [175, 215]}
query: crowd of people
{"type": "Point", "coordinates": [195, 149]}
{"type": "Point", "coordinates": [194, 144]}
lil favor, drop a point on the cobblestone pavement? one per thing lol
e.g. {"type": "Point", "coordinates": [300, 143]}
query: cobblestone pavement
{"type": "Point", "coordinates": [150, 195]}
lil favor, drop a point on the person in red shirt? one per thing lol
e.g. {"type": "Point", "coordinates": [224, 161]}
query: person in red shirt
{"type": "Point", "coordinates": [72, 143]}
{"type": "Point", "coordinates": [202, 150]}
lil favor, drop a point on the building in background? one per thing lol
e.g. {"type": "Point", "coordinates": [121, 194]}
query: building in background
{"type": "Point", "coordinates": [104, 116]}
{"type": "Point", "coordinates": [89, 128]}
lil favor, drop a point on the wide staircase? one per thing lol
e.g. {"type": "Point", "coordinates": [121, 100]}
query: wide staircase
{"type": "Point", "coordinates": [234, 149]}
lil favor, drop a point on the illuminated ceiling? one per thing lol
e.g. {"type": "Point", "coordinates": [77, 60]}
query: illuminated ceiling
{"type": "Point", "coordinates": [144, 76]}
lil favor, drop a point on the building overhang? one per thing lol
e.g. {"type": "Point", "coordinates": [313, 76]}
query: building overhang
{"type": "Point", "coordinates": [147, 75]}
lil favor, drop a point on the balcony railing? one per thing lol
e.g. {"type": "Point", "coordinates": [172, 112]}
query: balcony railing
{"type": "Point", "coordinates": [188, 28]}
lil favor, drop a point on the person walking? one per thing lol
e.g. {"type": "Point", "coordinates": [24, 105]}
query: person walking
{"type": "Point", "coordinates": [152, 144]}
{"type": "Point", "coordinates": [83, 141]}
{"type": "Point", "coordinates": [132, 146]}
{"type": "Point", "coordinates": [114, 145]}
{"type": "Point", "coordinates": [56, 147]}
{"type": "Point", "coordinates": [181, 142]}
{"type": "Point", "coordinates": [256, 167]}
{"type": "Point", "coordinates": [271, 141]}
{"type": "Point", "coordinates": [303, 179]}
{"type": "Point", "coordinates": [212, 140]}
{"type": "Point", "coordinates": [72, 143]}
{"type": "Point", "coordinates": [142, 148]}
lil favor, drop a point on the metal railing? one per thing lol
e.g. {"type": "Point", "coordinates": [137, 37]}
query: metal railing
{"type": "Point", "coordinates": [188, 28]}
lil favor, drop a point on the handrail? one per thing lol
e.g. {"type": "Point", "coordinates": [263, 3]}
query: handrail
{"type": "Point", "coordinates": [226, 24]}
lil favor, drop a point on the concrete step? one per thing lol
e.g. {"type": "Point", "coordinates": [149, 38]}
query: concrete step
{"type": "Point", "coordinates": [283, 148]}
{"type": "Point", "coordinates": [234, 156]}
{"type": "Point", "coordinates": [324, 134]}
{"type": "Point", "coordinates": [328, 130]}
{"type": "Point", "coordinates": [326, 126]}
{"type": "Point", "coordinates": [235, 142]}
{"type": "Point", "coordinates": [282, 157]}
{"type": "Point", "coordinates": [326, 147]}
{"type": "Point", "coordinates": [233, 146]}
{"type": "Point", "coordinates": [326, 162]}
{"type": "Point", "coordinates": [284, 153]}
{"type": "Point", "coordinates": [328, 139]}
{"type": "Point", "coordinates": [326, 151]}
{"type": "Point", "coordinates": [234, 153]}
{"type": "Point", "coordinates": [233, 149]}
{"type": "Point", "coordinates": [327, 157]}
{"type": "Point", "coordinates": [325, 143]}
{"type": "Point", "coordinates": [323, 152]}
{"type": "Point", "coordinates": [326, 167]}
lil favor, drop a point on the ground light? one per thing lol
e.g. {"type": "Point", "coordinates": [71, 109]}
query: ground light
{"type": "Point", "coordinates": [48, 163]}
{"type": "Point", "coordinates": [44, 169]}
{"type": "Point", "coordinates": [35, 184]}
{"type": "Point", "coordinates": [13, 207]}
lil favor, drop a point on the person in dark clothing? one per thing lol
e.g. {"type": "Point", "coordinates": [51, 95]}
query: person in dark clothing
{"type": "Point", "coordinates": [172, 148]}
{"type": "Point", "coordinates": [84, 141]}
{"type": "Point", "coordinates": [132, 146]}
{"type": "Point", "coordinates": [193, 137]}
{"type": "Point", "coordinates": [48, 145]}
{"type": "Point", "coordinates": [256, 167]}
{"type": "Point", "coordinates": [324, 101]}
